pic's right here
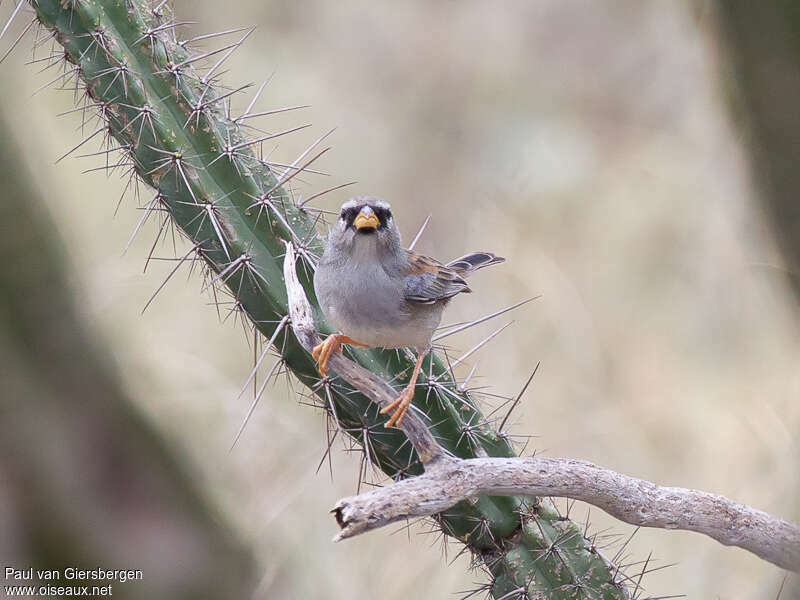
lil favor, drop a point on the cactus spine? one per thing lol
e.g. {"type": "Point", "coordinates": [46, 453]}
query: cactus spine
{"type": "Point", "coordinates": [169, 122]}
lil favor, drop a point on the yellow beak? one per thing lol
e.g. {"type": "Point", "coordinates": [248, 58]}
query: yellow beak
{"type": "Point", "coordinates": [366, 220]}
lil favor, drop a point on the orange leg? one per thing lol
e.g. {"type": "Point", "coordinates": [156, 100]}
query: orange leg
{"type": "Point", "coordinates": [400, 406]}
{"type": "Point", "coordinates": [333, 343]}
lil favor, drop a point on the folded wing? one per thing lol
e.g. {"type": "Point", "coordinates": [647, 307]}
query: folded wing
{"type": "Point", "coordinates": [428, 281]}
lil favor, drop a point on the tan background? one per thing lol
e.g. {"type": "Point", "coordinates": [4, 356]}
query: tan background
{"type": "Point", "coordinates": [587, 142]}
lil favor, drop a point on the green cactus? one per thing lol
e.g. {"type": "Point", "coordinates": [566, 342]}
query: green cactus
{"type": "Point", "coordinates": [170, 125]}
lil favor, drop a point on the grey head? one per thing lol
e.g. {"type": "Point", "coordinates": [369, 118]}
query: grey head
{"type": "Point", "coordinates": [365, 229]}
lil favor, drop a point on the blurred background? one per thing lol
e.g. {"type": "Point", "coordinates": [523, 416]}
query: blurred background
{"type": "Point", "coordinates": [635, 162]}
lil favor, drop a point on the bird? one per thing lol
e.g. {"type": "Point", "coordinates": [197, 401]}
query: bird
{"type": "Point", "coordinates": [377, 294]}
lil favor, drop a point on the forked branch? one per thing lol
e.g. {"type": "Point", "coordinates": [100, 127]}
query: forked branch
{"type": "Point", "coordinates": [448, 480]}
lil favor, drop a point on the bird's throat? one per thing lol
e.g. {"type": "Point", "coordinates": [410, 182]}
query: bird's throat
{"type": "Point", "coordinates": [365, 248]}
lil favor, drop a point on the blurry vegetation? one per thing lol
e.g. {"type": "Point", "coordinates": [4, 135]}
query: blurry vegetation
{"type": "Point", "coordinates": [762, 42]}
{"type": "Point", "coordinates": [84, 479]}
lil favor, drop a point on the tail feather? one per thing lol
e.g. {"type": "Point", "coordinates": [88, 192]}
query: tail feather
{"type": "Point", "coordinates": [468, 264]}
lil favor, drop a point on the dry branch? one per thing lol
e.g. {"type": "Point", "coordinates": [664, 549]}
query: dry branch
{"type": "Point", "coordinates": [448, 480]}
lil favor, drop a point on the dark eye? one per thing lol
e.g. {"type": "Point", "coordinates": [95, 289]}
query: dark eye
{"type": "Point", "coordinates": [348, 215]}
{"type": "Point", "coordinates": [384, 215]}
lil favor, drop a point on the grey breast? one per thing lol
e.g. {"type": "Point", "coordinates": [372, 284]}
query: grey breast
{"type": "Point", "coordinates": [365, 300]}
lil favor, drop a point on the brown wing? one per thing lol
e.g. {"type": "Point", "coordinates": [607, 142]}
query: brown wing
{"type": "Point", "coordinates": [428, 281]}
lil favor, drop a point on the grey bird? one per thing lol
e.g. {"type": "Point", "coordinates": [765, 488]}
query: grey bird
{"type": "Point", "coordinates": [378, 294]}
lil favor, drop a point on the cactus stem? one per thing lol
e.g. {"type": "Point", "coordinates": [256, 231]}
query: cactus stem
{"type": "Point", "coordinates": [202, 106]}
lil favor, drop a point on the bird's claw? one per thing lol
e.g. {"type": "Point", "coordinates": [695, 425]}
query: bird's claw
{"type": "Point", "coordinates": [322, 353]}
{"type": "Point", "coordinates": [398, 408]}
{"type": "Point", "coordinates": [333, 343]}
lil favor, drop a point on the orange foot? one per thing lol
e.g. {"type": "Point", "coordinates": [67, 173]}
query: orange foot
{"type": "Point", "coordinates": [399, 407]}
{"type": "Point", "coordinates": [333, 343]}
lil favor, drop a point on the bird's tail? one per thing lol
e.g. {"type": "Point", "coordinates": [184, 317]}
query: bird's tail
{"type": "Point", "coordinates": [468, 264]}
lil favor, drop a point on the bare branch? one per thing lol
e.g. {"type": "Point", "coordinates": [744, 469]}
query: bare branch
{"type": "Point", "coordinates": [447, 481]}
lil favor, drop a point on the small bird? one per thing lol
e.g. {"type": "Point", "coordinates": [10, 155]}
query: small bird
{"type": "Point", "coordinates": [378, 294]}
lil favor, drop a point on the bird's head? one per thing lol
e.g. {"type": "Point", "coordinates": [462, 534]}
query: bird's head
{"type": "Point", "coordinates": [364, 224]}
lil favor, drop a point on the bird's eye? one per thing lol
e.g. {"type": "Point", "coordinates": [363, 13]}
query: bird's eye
{"type": "Point", "coordinates": [384, 214]}
{"type": "Point", "coordinates": [348, 215]}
